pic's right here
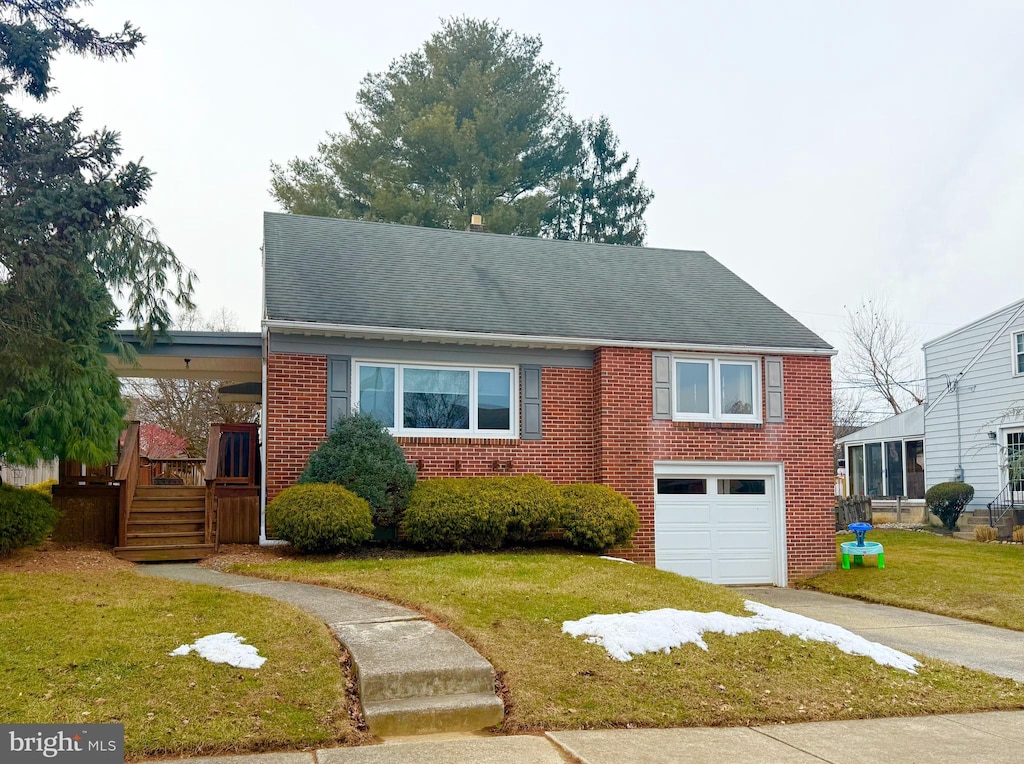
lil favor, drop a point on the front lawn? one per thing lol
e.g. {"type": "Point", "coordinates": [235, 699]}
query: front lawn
{"type": "Point", "coordinates": [93, 647]}
{"type": "Point", "coordinates": [511, 608]}
{"type": "Point", "coordinates": [938, 574]}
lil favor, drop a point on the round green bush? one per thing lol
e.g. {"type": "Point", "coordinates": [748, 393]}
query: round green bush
{"type": "Point", "coordinates": [595, 517]}
{"type": "Point", "coordinates": [319, 518]}
{"type": "Point", "coordinates": [361, 455]}
{"type": "Point", "coordinates": [26, 517]}
{"type": "Point", "coordinates": [947, 501]}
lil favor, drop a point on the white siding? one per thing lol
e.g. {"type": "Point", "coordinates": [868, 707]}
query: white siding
{"type": "Point", "coordinates": [987, 391]}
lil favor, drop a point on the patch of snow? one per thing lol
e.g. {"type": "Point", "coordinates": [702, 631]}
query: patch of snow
{"type": "Point", "coordinates": [225, 647]}
{"type": "Point", "coordinates": [616, 559]}
{"type": "Point", "coordinates": [624, 635]}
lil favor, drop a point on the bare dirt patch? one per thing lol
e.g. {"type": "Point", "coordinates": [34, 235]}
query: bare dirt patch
{"type": "Point", "coordinates": [52, 557]}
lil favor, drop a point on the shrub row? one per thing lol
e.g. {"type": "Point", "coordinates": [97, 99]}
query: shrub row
{"type": "Point", "coordinates": [26, 517]}
{"type": "Point", "coordinates": [487, 513]}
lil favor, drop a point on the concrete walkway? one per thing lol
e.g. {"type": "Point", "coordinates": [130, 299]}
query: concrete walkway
{"type": "Point", "coordinates": [414, 677]}
{"type": "Point", "coordinates": [988, 648]}
{"type": "Point", "coordinates": [988, 737]}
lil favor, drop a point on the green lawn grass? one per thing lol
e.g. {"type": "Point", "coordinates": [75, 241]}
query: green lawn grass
{"type": "Point", "coordinates": [511, 608]}
{"type": "Point", "coordinates": [938, 574]}
{"type": "Point", "coordinates": [93, 647]}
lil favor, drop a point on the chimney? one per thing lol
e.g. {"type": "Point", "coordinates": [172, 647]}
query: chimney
{"type": "Point", "coordinates": [476, 223]}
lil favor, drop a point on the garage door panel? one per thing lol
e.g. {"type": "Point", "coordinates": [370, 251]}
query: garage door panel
{"type": "Point", "coordinates": [693, 567]}
{"type": "Point", "coordinates": [743, 540]}
{"type": "Point", "coordinates": [744, 570]}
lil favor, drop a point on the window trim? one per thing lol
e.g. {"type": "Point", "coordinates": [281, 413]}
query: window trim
{"type": "Point", "coordinates": [715, 391]}
{"type": "Point", "coordinates": [1016, 355]}
{"type": "Point", "coordinates": [398, 430]}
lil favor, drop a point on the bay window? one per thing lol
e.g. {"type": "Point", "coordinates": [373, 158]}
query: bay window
{"type": "Point", "coordinates": [437, 400]}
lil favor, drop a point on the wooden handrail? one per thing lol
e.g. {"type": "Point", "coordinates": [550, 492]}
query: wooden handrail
{"type": "Point", "coordinates": [130, 451]}
{"type": "Point", "coordinates": [127, 473]}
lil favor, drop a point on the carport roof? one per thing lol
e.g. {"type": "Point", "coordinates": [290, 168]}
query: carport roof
{"type": "Point", "coordinates": [228, 356]}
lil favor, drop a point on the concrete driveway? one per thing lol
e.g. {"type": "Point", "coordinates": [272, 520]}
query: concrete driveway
{"type": "Point", "coordinates": [988, 648]}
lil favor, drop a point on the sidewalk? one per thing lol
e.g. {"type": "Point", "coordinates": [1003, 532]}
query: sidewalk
{"type": "Point", "coordinates": [975, 645]}
{"type": "Point", "coordinates": [987, 737]}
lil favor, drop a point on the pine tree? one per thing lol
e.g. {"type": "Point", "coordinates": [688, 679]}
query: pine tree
{"type": "Point", "coordinates": [67, 241]}
{"type": "Point", "coordinates": [599, 198]}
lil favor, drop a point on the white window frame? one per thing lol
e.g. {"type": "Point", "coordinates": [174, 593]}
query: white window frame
{"type": "Point", "coordinates": [1015, 354]}
{"type": "Point", "coordinates": [715, 389]}
{"type": "Point", "coordinates": [474, 431]}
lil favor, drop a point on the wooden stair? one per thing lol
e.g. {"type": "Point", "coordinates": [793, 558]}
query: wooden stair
{"type": "Point", "coordinates": [166, 523]}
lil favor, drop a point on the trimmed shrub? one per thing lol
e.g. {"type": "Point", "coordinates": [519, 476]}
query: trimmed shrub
{"type": "Point", "coordinates": [947, 501]}
{"type": "Point", "coordinates": [361, 455]}
{"type": "Point", "coordinates": [595, 517]}
{"type": "Point", "coordinates": [26, 517]}
{"type": "Point", "coordinates": [318, 518]}
{"type": "Point", "coordinates": [455, 513]}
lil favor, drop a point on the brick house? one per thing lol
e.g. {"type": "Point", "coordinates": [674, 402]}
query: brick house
{"type": "Point", "coordinates": [657, 372]}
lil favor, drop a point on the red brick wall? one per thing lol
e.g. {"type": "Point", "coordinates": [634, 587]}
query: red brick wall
{"type": "Point", "coordinates": [296, 416]}
{"type": "Point", "coordinates": [598, 426]}
{"type": "Point", "coordinates": [631, 441]}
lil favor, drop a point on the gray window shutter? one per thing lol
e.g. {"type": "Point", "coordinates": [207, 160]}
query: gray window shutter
{"type": "Point", "coordinates": [531, 427]}
{"type": "Point", "coordinates": [773, 389]}
{"type": "Point", "coordinates": [339, 396]}
{"type": "Point", "coordinates": [662, 385]}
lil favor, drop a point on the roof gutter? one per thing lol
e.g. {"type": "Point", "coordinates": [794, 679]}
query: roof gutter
{"type": "Point", "coordinates": [485, 338]}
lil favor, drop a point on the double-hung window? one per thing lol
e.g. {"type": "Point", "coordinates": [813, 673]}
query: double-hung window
{"type": "Point", "coordinates": [414, 399]}
{"type": "Point", "coordinates": [1018, 353]}
{"type": "Point", "coordinates": [707, 389]}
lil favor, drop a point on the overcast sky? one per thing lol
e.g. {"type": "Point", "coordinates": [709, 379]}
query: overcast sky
{"type": "Point", "coordinates": [824, 151]}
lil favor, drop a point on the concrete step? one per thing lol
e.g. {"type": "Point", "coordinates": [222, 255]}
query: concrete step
{"type": "Point", "coordinates": [444, 713]}
{"type": "Point", "coordinates": [413, 659]}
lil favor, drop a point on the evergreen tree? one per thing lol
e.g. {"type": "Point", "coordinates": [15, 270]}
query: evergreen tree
{"type": "Point", "coordinates": [599, 197]}
{"type": "Point", "coordinates": [67, 241]}
{"type": "Point", "coordinates": [472, 123]}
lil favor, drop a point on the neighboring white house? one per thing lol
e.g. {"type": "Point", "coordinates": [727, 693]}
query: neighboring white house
{"type": "Point", "coordinates": [974, 414]}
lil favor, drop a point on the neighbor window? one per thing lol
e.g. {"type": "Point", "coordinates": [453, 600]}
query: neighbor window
{"type": "Point", "coordinates": [435, 400]}
{"type": "Point", "coordinates": [1018, 353]}
{"type": "Point", "coordinates": [717, 389]}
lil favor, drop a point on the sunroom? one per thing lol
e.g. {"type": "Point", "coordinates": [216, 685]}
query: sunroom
{"type": "Point", "coordinates": [885, 462]}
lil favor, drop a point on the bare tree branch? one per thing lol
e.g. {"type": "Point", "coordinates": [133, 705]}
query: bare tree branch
{"type": "Point", "coordinates": [882, 355]}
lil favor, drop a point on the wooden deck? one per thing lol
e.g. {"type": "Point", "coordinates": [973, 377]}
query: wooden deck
{"type": "Point", "coordinates": [159, 522]}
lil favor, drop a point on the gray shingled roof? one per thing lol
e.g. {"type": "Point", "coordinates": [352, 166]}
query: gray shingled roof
{"type": "Point", "coordinates": [352, 272]}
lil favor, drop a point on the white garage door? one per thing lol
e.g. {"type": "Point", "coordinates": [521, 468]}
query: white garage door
{"type": "Point", "coordinates": [724, 528]}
